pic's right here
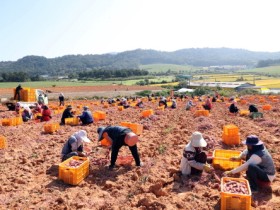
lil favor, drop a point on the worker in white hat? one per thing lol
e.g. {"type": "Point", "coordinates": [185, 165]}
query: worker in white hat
{"type": "Point", "coordinates": [194, 159]}
{"type": "Point", "coordinates": [74, 145]}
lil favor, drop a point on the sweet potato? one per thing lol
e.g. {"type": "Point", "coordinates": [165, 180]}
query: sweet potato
{"type": "Point", "coordinates": [236, 187]}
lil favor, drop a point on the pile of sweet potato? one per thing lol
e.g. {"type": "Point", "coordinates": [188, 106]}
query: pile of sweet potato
{"type": "Point", "coordinates": [74, 163]}
{"type": "Point", "coordinates": [235, 187]}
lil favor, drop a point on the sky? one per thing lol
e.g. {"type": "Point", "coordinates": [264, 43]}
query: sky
{"type": "Point", "coordinates": [53, 28]}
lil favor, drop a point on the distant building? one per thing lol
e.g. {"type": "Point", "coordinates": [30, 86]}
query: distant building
{"type": "Point", "coordinates": [238, 86]}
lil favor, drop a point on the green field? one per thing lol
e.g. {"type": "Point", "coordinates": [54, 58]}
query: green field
{"type": "Point", "coordinates": [46, 84]}
{"type": "Point", "coordinates": [156, 68]}
{"type": "Point", "coordinates": [274, 70]}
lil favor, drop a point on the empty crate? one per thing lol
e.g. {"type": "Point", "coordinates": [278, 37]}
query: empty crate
{"type": "Point", "coordinates": [221, 159]}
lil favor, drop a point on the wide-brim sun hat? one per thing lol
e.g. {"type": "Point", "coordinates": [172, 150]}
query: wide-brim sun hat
{"type": "Point", "coordinates": [252, 140]}
{"type": "Point", "coordinates": [100, 132]}
{"type": "Point", "coordinates": [82, 134]}
{"type": "Point", "coordinates": [197, 140]}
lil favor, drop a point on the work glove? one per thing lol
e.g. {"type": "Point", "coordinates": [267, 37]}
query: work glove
{"type": "Point", "coordinates": [227, 173]}
{"type": "Point", "coordinates": [207, 167]}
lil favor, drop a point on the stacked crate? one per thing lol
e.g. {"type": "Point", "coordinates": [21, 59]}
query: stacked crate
{"type": "Point", "coordinates": [27, 94]}
{"type": "Point", "coordinates": [231, 135]}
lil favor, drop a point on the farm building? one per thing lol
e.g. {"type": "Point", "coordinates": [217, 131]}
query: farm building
{"type": "Point", "coordinates": [227, 85]}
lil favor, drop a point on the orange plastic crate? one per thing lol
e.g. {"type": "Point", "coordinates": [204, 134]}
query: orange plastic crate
{"type": "Point", "coordinates": [105, 142]}
{"type": "Point", "coordinates": [8, 122]}
{"type": "Point", "coordinates": [136, 128]}
{"type": "Point", "coordinates": [72, 121]}
{"type": "Point", "coordinates": [147, 113]}
{"type": "Point", "coordinates": [99, 115]}
{"type": "Point", "coordinates": [231, 139]}
{"type": "Point", "coordinates": [51, 127]}
{"type": "Point", "coordinates": [160, 108]}
{"type": "Point", "coordinates": [230, 130]}
{"type": "Point", "coordinates": [72, 175]}
{"type": "Point", "coordinates": [120, 108]}
{"type": "Point", "coordinates": [169, 104]}
{"type": "Point", "coordinates": [3, 142]}
{"type": "Point", "coordinates": [125, 124]}
{"type": "Point", "coordinates": [199, 113]}
{"type": "Point", "coordinates": [234, 201]}
{"type": "Point", "coordinates": [221, 159]}
{"type": "Point", "coordinates": [266, 107]}
{"type": "Point", "coordinates": [105, 105]}
{"type": "Point", "coordinates": [18, 120]}
{"type": "Point", "coordinates": [244, 112]}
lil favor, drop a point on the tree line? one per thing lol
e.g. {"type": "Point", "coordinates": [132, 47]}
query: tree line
{"type": "Point", "coordinates": [269, 62]}
{"type": "Point", "coordinates": [74, 64]}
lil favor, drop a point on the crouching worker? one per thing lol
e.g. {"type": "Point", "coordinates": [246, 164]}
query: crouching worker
{"type": "Point", "coordinates": [194, 160]}
{"type": "Point", "coordinates": [119, 136]}
{"type": "Point", "coordinates": [86, 116]}
{"type": "Point", "coordinates": [74, 145]}
{"type": "Point", "coordinates": [259, 165]}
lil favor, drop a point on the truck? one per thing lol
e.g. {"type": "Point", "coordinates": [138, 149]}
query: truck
{"type": "Point", "coordinates": [28, 97]}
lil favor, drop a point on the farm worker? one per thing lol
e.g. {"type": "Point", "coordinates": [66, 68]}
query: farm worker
{"type": "Point", "coordinates": [40, 99]}
{"type": "Point", "coordinates": [61, 99]}
{"type": "Point", "coordinates": [208, 104]}
{"type": "Point", "coordinates": [194, 159]}
{"type": "Point", "coordinates": [37, 108]}
{"type": "Point", "coordinates": [74, 145]}
{"type": "Point", "coordinates": [67, 113]}
{"type": "Point", "coordinates": [86, 116]}
{"type": "Point", "coordinates": [140, 103]}
{"type": "Point", "coordinates": [189, 105]}
{"type": "Point", "coordinates": [119, 136]}
{"type": "Point", "coordinates": [17, 107]}
{"type": "Point", "coordinates": [124, 103]}
{"type": "Point", "coordinates": [253, 108]}
{"type": "Point", "coordinates": [233, 107]}
{"type": "Point", "coordinates": [46, 113]}
{"type": "Point", "coordinates": [174, 104]}
{"type": "Point", "coordinates": [26, 114]}
{"type": "Point", "coordinates": [259, 165]}
{"type": "Point", "coordinates": [17, 92]}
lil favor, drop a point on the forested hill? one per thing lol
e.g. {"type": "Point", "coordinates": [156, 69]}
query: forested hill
{"type": "Point", "coordinates": [132, 59]}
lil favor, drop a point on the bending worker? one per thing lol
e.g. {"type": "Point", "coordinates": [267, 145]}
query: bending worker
{"type": "Point", "coordinates": [194, 160]}
{"type": "Point", "coordinates": [74, 145]}
{"type": "Point", "coordinates": [259, 165]}
{"type": "Point", "coordinates": [119, 136]}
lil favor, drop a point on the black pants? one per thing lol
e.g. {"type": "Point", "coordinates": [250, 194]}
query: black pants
{"type": "Point", "coordinates": [201, 158]}
{"type": "Point", "coordinates": [115, 151]}
{"type": "Point", "coordinates": [255, 173]}
{"type": "Point", "coordinates": [17, 96]}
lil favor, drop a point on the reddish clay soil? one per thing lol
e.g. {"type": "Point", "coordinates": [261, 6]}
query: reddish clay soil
{"type": "Point", "coordinates": [29, 166]}
{"type": "Point", "coordinates": [88, 91]}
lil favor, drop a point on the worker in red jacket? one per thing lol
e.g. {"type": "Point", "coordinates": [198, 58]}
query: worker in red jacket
{"type": "Point", "coordinates": [46, 113]}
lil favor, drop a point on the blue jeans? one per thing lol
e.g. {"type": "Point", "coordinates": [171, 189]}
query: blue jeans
{"type": "Point", "coordinates": [255, 173]}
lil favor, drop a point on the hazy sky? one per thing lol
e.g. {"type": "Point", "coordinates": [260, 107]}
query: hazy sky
{"type": "Point", "coordinates": [53, 28]}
